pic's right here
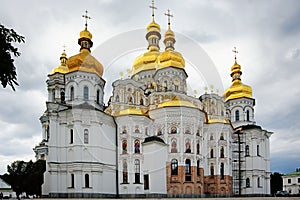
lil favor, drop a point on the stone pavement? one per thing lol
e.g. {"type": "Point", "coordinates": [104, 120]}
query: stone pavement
{"type": "Point", "coordinates": [234, 198]}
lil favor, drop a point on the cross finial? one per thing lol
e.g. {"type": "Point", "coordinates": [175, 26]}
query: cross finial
{"type": "Point", "coordinates": [235, 52]}
{"type": "Point", "coordinates": [64, 48]}
{"type": "Point", "coordinates": [153, 8]}
{"type": "Point", "coordinates": [86, 18]}
{"type": "Point", "coordinates": [169, 16]}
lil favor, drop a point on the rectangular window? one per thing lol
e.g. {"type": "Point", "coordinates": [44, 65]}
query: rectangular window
{"type": "Point", "coordinates": [289, 180]}
{"type": "Point", "coordinates": [146, 182]}
{"type": "Point", "coordinates": [86, 136]}
{"type": "Point", "coordinates": [72, 181]}
{"type": "Point", "coordinates": [299, 181]}
{"type": "Point", "coordinates": [71, 136]}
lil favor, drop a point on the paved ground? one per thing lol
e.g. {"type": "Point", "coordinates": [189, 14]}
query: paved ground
{"type": "Point", "coordinates": [248, 198]}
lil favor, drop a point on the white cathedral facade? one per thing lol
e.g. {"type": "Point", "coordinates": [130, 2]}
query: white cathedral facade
{"type": "Point", "coordinates": [151, 139]}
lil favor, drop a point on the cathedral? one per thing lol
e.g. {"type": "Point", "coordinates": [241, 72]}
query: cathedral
{"type": "Point", "coordinates": [151, 139]}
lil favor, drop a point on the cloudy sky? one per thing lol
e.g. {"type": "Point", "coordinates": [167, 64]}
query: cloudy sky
{"type": "Point", "coordinates": [266, 33]}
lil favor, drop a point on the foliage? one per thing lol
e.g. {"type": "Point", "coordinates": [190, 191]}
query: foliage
{"type": "Point", "coordinates": [276, 182]}
{"type": "Point", "coordinates": [25, 177]}
{"type": "Point", "coordinates": [8, 74]}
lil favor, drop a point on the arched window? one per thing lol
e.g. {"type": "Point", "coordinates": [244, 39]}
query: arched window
{"type": "Point", "coordinates": [222, 136]}
{"type": "Point", "coordinates": [71, 136]}
{"type": "Point", "coordinates": [98, 97]}
{"type": "Point", "coordinates": [53, 95]}
{"type": "Point", "coordinates": [141, 101]}
{"type": "Point", "coordinates": [237, 115]}
{"type": "Point", "coordinates": [257, 150]}
{"type": "Point", "coordinates": [136, 171]}
{"type": "Point", "coordinates": [188, 166]}
{"type": "Point", "coordinates": [212, 169]}
{"type": "Point", "coordinates": [86, 136]}
{"type": "Point", "coordinates": [211, 137]}
{"type": "Point", "coordinates": [124, 146]}
{"type": "Point", "coordinates": [125, 172]}
{"type": "Point", "coordinates": [247, 150]}
{"type": "Point", "coordinates": [72, 93]}
{"type": "Point", "coordinates": [198, 148]}
{"type": "Point", "coordinates": [173, 130]}
{"type": "Point", "coordinates": [173, 146]}
{"type": "Point", "coordinates": [159, 131]}
{"type": "Point", "coordinates": [222, 152]}
{"type": "Point", "coordinates": [174, 167]}
{"type": "Point", "coordinates": [124, 131]}
{"type": "Point", "coordinates": [87, 180]}
{"type": "Point", "coordinates": [136, 146]}
{"type": "Point", "coordinates": [62, 96]}
{"type": "Point", "coordinates": [211, 153]}
{"type": "Point", "coordinates": [86, 93]}
{"type": "Point", "coordinates": [222, 171]}
{"type": "Point", "coordinates": [198, 167]}
{"type": "Point", "coordinates": [247, 115]}
{"type": "Point", "coordinates": [117, 98]}
{"type": "Point", "coordinates": [247, 182]}
{"type": "Point", "coordinates": [188, 173]}
{"type": "Point", "coordinates": [187, 146]}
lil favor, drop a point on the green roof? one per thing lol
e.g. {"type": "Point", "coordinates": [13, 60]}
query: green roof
{"type": "Point", "coordinates": [293, 173]}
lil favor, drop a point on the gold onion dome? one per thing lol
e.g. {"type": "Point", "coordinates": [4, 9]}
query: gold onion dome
{"type": "Point", "coordinates": [237, 88]}
{"type": "Point", "coordinates": [84, 61]}
{"type": "Point", "coordinates": [147, 61]}
{"type": "Point", "coordinates": [170, 57]}
{"type": "Point", "coordinates": [62, 68]}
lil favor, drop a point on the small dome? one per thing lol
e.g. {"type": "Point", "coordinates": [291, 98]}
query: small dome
{"type": "Point", "coordinates": [131, 111]}
{"type": "Point", "coordinates": [146, 61]}
{"type": "Point", "coordinates": [62, 68]}
{"type": "Point", "coordinates": [153, 26]}
{"type": "Point", "coordinates": [85, 34]}
{"type": "Point", "coordinates": [237, 88]}
{"type": "Point", "coordinates": [169, 34]}
{"type": "Point", "coordinates": [85, 62]}
{"type": "Point", "coordinates": [170, 59]}
{"type": "Point", "coordinates": [176, 102]}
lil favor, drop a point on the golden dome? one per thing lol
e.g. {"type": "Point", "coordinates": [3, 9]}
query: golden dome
{"type": "Point", "coordinates": [85, 34]}
{"type": "Point", "coordinates": [153, 26]}
{"type": "Point", "coordinates": [170, 59]}
{"type": "Point", "coordinates": [237, 89]}
{"type": "Point", "coordinates": [130, 111]}
{"type": "Point", "coordinates": [176, 102]}
{"type": "Point", "coordinates": [146, 61]}
{"type": "Point", "coordinates": [85, 62]}
{"type": "Point", "coordinates": [169, 33]}
{"type": "Point", "coordinates": [62, 68]}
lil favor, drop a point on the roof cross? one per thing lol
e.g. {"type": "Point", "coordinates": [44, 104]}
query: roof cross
{"type": "Point", "coordinates": [64, 47]}
{"type": "Point", "coordinates": [86, 18]}
{"type": "Point", "coordinates": [153, 8]}
{"type": "Point", "coordinates": [235, 52]}
{"type": "Point", "coordinates": [169, 16]}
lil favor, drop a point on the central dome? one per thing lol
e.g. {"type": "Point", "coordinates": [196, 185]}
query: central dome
{"type": "Point", "coordinates": [170, 59]}
{"type": "Point", "coordinates": [85, 62]}
{"type": "Point", "coordinates": [146, 61]}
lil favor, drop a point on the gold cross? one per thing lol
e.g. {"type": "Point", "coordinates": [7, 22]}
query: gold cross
{"type": "Point", "coordinates": [235, 52]}
{"type": "Point", "coordinates": [153, 8]}
{"type": "Point", "coordinates": [86, 18]}
{"type": "Point", "coordinates": [169, 15]}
